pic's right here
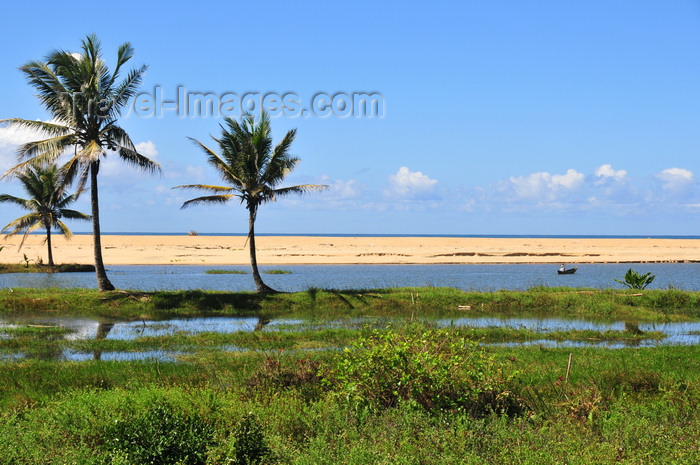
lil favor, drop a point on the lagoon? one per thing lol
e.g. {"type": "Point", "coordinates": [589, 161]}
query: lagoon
{"type": "Point", "coordinates": [485, 278]}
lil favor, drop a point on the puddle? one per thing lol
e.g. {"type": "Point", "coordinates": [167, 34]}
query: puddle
{"type": "Point", "coordinates": [687, 333]}
{"type": "Point", "coordinates": [160, 355]}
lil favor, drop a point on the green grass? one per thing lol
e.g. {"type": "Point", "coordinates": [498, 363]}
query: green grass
{"type": "Point", "coordinates": [225, 272]}
{"type": "Point", "coordinates": [604, 305]}
{"type": "Point", "coordinates": [618, 406]}
{"type": "Point", "coordinates": [277, 272]}
{"type": "Point", "coordinates": [631, 405]}
{"type": "Point", "coordinates": [34, 268]}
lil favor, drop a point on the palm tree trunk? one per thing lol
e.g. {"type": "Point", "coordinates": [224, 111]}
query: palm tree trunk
{"type": "Point", "coordinates": [103, 282]}
{"type": "Point", "coordinates": [48, 242]}
{"type": "Point", "coordinates": [259, 284]}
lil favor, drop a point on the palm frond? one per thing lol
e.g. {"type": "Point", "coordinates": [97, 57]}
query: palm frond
{"type": "Point", "coordinates": [126, 90]}
{"type": "Point", "coordinates": [21, 224]}
{"type": "Point", "coordinates": [52, 92]}
{"type": "Point", "coordinates": [6, 198]}
{"type": "Point", "coordinates": [142, 162]}
{"type": "Point", "coordinates": [74, 215]}
{"type": "Point", "coordinates": [91, 151]}
{"type": "Point", "coordinates": [63, 229]}
{"type": "Point", "coordinates": [208, 199]}
{"type": "Point", "coordinates": [227, 172]}
{"type": "Point", "coordinates": [74, 167]}
{"type": "Point", "coordinates": [205, 187]}
{"type": "Point", "coordinates": [46, 150]}
{"type": "Point", "coordinates": [48, 128]}
{"type": "Point", "coordinates": [300, 189]}
{"type": "Point", "coordinates": [124, 54]}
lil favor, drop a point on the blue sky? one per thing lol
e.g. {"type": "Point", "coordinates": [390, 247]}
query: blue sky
{"type": "Point", "coordinates": [498, 117]}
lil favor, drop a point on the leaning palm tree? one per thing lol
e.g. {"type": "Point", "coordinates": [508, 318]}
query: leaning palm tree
{"type": "Point", "coordinates": [252, 168]}
{"type": "Point", "coordinates": [85, 100]}
{"type": "Point", "coordinates": [47, 204]}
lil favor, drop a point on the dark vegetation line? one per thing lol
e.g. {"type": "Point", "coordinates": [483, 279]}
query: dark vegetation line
{"type": "Point", "coordinates": [610, 305]}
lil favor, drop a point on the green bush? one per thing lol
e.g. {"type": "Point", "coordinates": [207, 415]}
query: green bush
{"type": "Point", "coordinates": [434, 369]}
{"type": "Point", "coordinates": [248, 445]}
{"type": "Point", "coordinates": [634, 280]}
{"type": "Point", "coordinates": [301, 375]}
{"type": "Point", "coordinates": [159, 436]}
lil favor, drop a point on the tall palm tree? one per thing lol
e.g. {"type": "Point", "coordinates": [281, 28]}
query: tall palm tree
{"type": "Point", "coordinates": [85, 101]}
{"type": "Point", "coordinates": [252, 168]}
{"type": "Point", "coordinates": [46, 203]}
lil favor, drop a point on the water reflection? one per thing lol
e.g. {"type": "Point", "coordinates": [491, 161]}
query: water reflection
{"type": "Point", "coordinates": [160, 355]}
{"type": "Point", "coordinates": [685, 333]}
{"type": "Point", "coordinates": [103, 330]}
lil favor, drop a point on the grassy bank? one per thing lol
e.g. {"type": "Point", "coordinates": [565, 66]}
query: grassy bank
{"type": "Point", "coordinates": [647, 306]}
{"type": "Point", "coordinates": [620, 406]}
{"type": "Point", "coordinates": [41, 268]}
{"type": "Point", "coordinates": [406, 393]}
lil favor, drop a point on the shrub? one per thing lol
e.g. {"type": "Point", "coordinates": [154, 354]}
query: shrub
{"type": "Point", "coordinates": [434, 369]}
{"type": "Point", "coordinates": [303, 376]}
{"type": "Point", "coordinates": [159, 436]}
{"type": "Point", "coordinates": [248, 445]}
{"type": "Point", "coordinates": [634, 280]}
{"type": "Point", "coordinates": [635, 381]}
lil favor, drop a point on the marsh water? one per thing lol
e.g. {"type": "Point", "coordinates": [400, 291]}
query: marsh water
{"type": "Point", "coordinates": [686, 333]}
{"type": "Point", "coordinates": [302, 277]}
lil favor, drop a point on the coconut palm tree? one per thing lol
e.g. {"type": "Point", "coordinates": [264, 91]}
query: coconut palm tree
{"type": "Point", "coordinates": [46, 203]}
{"type": "Point", "coordinates": [252, 169]}
{"type": "Point", "coordinates": [85, 100]}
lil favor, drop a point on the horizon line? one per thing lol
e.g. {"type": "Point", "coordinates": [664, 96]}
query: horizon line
{"type": "Point", "coordinates": [426, 235]}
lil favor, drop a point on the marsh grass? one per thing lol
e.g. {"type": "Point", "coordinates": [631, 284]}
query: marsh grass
{"type": "Point", "coordinates": [40, 332]}
{"type": "Point", "coordinates": [225, 272]}
{"type": "Point", "coordinates": [43, 342]}
{"type": "Point", "coordinates": [277, 272]}
{"type": "Point", "coordinates": [631, 405]}
{"type": "Point", "coordinates": [606, 305]}
{"type": "Point", "coordinates": [41, 268]}
{"type": "Point", "coordinates": [618, 406]}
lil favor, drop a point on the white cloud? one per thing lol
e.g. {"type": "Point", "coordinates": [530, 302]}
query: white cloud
{"type": "Point", "coordinates": [675, 179]}
{"type": "Point", "coordinates": [543, 186]}
{"type": "Point", "coordinates": [169, 196]}
{"type": "Point", "coordinates": [10, 140]}
{"type": "Point", "coordinates": [117, 170]}
{"type": "Point", "coordinates": [15, 135]}
{"type": "Point", "coordinates": [196, 173]}
{"type": "Point", "coordinates": [410, 184]}
{"type": "Point", "coordinates": [344, 189]}
{"type": "Point", "coordinates": [606, 173]}
{"type": "Point", "coordinates": [147, 149]}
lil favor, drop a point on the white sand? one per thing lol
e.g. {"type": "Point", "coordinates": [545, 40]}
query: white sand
{"type": "Point", "coordinates": [288, 250]}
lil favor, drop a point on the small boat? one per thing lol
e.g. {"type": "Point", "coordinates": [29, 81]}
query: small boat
{"type": "Point", "coordinates": [569, 271]}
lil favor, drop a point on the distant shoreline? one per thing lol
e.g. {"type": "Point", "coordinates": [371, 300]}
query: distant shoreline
{"type": "Point", "coordinates": [473, 236]}
{"type": "Point", "coordinates": [182, 249]}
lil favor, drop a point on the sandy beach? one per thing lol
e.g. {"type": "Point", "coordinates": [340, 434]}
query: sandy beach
{"type": "Point", "coordinates": [291, 250]}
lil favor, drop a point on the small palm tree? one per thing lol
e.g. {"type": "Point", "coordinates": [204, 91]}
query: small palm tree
{"type": "Point", "coordinates": [634, 280]}
{"type": "Point", "coordinates": [85, 101]}
{"type": "Point", "coordinates": [253, 169]}
{"type": "Point", "coordinates": [47, 204]}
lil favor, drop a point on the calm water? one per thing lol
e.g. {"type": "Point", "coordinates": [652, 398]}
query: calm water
{"type": "Point", "coordinates": [468, 277]}
{"type": "Point", "coordinates": [303, 277]}
{"type": "Point", "coordinates": [687, 333]}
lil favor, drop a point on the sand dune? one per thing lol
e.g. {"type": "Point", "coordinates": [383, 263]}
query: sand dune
{"type": "Point", "coordinates": [287, 250]}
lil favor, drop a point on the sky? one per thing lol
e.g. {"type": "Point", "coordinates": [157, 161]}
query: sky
{"type": "Point", "coordinates": [487, 117]}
